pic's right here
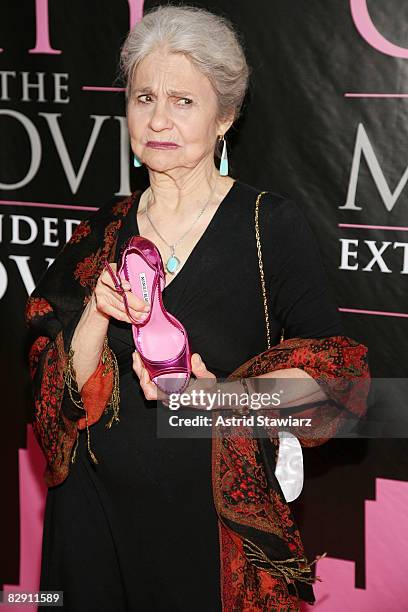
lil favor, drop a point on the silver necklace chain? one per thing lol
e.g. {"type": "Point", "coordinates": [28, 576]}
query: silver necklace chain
{"type": "Point", "coordinates": [172, 247]}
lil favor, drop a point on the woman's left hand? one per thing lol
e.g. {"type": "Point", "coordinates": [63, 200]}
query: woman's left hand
{"type": "Point", "coordinates": [152, 392]}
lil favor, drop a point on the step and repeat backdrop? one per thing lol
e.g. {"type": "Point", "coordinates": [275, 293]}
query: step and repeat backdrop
{"type": "Point", "coordinates": [326, 123]}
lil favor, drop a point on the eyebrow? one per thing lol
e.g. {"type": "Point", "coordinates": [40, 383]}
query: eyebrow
{"type": "Point", "coordinates": [172, 92]}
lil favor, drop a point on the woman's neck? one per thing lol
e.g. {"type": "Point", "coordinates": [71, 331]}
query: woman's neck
{"type": "Point", "coordinates": [172, 193]}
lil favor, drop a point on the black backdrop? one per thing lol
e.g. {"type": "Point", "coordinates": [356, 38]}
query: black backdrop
{"type": "Point", "coordinates": [304, 133]}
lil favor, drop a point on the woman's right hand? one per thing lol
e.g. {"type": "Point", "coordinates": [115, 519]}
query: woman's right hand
{"type": "Point", "coordinates": [109, 302]}
{"type": "Point", "coordinates": [89, 334]}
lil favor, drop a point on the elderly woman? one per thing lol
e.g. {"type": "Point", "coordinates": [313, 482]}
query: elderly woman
{"type": "Point", "coordinates": [135, 521]}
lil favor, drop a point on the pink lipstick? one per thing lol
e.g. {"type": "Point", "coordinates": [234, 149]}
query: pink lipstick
{"type": "Point", "coordinates": [157, 144]}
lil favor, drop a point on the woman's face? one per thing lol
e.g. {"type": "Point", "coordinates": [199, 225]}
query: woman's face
{"type": "Point", "coordinates": [171, 101]}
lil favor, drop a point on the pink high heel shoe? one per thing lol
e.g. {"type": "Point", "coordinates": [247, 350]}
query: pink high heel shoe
{"type": "Point", "coordinates": [160, 339]}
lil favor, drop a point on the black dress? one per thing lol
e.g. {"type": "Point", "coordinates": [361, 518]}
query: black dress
{"type": "Point", "coordinates": [138, 531]}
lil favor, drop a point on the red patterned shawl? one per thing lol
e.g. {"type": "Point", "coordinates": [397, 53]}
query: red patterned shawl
{"type": "Point", "coordinates": [263, 561]}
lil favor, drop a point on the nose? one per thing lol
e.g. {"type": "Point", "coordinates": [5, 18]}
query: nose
{"type": "Point", "coordinates": [160, 119]}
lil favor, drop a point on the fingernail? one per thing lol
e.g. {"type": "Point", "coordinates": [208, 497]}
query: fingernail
{"type": "Point", "coordinates": [146, 308]}
{"type": "Point", "coordinates": [199, 360]}
{"type": "Point", "coordinates": [142, 317]}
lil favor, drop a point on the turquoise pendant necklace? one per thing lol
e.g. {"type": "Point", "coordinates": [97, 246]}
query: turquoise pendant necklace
{"type": "Point", "coordinates": [173, 262]}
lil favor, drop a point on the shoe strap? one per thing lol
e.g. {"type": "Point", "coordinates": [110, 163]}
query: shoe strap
{"type": "Point", "coordinates": [118, 287]}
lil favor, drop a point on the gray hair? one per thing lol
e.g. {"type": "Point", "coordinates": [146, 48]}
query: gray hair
{"type": "Point", "coordinates": [208, 40]}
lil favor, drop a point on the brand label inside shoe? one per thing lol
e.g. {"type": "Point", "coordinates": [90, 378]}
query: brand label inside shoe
{"type": "Point", "coordinates": [143, 286]}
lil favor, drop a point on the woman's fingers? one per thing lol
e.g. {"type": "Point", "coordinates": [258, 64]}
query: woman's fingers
{"type": "Point", "coordinates": [206, 378]}
{"type": "Point", "coordinates": [204, 381]}
{"type": "Point", "coordinates": [148, 387]}
{"type": "Point", "coordinates": [113, 309]}
{"type": "Point", "coordinates": [199, 368]}
{"type": "Point", "coordinates": [137, 363]}
{"type": "Point", "coordinates": [134, 302]}
{"type": "Point", "coordinates": [111, 303]}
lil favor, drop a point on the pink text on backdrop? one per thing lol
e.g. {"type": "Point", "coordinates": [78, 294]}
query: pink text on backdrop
{"type": "Point", "coordinates": [367, 29]}
{"type": "Point", "coordinates": [43, 44]}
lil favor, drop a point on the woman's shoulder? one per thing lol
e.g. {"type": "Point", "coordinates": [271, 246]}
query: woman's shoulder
{"type": "Point", "coordinates": [114, 208]}
{"type": "Point", "coordinates": [103, 220]}
{"type": "Point", "coordinates": [274, 205]}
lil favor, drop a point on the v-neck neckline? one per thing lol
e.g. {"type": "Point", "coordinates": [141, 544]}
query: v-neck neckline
{"type": "Point", "coordinates": [203, 236]}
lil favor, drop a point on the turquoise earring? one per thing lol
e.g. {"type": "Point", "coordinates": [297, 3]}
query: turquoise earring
{"type": "Point", "coordinates": [136, 162]}
{"type": "Point", "coordinates": [224, 159]}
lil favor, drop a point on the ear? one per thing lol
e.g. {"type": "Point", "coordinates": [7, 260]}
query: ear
{"type": "Point", "coordinates": [224, 126]}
